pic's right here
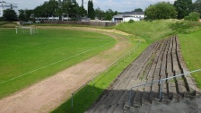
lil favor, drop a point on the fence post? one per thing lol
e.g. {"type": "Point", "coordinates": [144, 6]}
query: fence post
{"type": "Point", "coordinates": [129, 98]}
{"type": "Point", "coordinates": [72, 103]}
{"type": "Point", "coordinates": [161, 90]}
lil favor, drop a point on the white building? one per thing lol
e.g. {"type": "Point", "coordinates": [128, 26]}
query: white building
{"type": "Point", "coordinates": [125, 17]}
{"type": "Point", "coordinates": [4, 6]}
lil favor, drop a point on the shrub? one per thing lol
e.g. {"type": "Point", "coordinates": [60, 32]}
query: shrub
{"type": "Point", "coordinates": [185, 27]}
{"type": "Point", "coordinates": [193, 16]}
{"type": "Point", "coordinates": [131, 21]}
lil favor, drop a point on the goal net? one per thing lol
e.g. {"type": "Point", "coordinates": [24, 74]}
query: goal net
{"type": "Point", "coordinates": [27, 29]}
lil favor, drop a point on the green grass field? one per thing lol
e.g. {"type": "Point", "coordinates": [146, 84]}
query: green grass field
{"type": "Point", "coordinates": [191, 45]}
{"type": "Point", "coordinates": [26, 59]}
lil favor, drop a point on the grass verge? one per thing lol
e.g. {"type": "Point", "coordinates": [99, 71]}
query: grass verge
{"type": "Point", "coordinates": [190, 48]}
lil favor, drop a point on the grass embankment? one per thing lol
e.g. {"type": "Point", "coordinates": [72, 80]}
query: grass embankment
{"type": "Point", "coordinates": [190, 46]}
{"type": "Point", "coordinates": [26, 59]}
{"type": "Point", "coordinates": [148, 30]}
{"type": "Point", "coordinates": [5, 24]}
{"type": "Point", "coordinates": [188, 32]}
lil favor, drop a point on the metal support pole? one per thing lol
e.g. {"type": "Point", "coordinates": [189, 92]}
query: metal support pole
{"type": "Point", "coordinates": [16, 29]}
{"type": "Point", "coordinates": [161, 90]}
{"type": "Point", "coordinates": [36, 30]}
{"type": "Point", "coordinates": [129, 98]}
{"type": "Point", "coordinates": [72, 102]}
{"type": "Point", "coordinates": [30, 30]}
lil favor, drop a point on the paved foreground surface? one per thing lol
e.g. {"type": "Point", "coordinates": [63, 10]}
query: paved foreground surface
{"type": "Point", "coordinates": [160, 60]}
{"type": "Point", "coordinates": [46, 95]}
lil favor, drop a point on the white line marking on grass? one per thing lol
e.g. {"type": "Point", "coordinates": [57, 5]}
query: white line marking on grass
{"type": "Point", "coordinates": [53, 63]}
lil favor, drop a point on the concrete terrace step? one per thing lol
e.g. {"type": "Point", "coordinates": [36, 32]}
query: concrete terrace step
{"type": "Point", "coordinates": [160, 60]}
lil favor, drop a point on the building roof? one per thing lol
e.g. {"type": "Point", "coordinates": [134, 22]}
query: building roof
{"type": "Point", "coordinates": [129, 14]}
{"type": "Point", "coordinates": [118, 16]}
{"type": "Point", "coordinates": [132, 13]}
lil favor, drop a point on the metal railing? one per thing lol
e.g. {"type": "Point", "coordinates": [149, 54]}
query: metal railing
{"type": "Point", "coordinates": [161, 81]}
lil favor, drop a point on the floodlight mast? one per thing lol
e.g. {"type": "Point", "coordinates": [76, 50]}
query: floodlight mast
{"type": "Point", "coordinates": [82, 3]}
{"type": "Point", "coordinates": [60, 6]}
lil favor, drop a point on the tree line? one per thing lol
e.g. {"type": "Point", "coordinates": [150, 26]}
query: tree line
{"type": "Point", "coordinates": [181, 9]}
{"type": "Point", "coordinates": [70, 8]}
{"type": "Point", "coordinates": [65, 8]}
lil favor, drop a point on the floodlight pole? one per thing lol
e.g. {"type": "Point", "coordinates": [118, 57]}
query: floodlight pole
{"type": "Point", "coordinates": [60, 6]}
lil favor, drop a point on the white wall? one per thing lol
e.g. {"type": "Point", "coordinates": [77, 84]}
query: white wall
{"type": "Point", "coordinates": [130, 18]}
{"type": "Point", "coordinates": [138, 16]}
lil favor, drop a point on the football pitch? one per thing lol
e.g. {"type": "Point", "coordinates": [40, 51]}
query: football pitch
{"type": "Point", "coordinates": [26, 59]}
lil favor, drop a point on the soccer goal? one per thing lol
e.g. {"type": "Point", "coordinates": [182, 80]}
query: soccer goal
{"type": "Point", "coordinates": [31, 29]}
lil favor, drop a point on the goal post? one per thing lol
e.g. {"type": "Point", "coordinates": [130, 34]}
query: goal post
{"type": "Point", "coordinates": [32, 29]}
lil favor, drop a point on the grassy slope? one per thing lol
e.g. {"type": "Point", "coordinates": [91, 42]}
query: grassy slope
{"type": "Point", "coordinates": [29, 59]}
{"type": "Point", "coordinates": [148, 30]}
{"type": "Point", "coordinates": [191, 45]}
{"type": "Point", "coordinates": [189, 35]}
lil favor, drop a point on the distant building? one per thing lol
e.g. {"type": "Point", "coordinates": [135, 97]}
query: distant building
{"type": "Point", "coordinates": [4, 6]}
{"type": "Point", "coordinates": [126, 16]}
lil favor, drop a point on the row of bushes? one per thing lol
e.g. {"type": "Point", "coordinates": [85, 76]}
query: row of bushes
{"type": "Point", "coordinates": [185, 27]}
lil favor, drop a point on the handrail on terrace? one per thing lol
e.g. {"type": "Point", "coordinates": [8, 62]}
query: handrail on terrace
{"type": "Point", "coordinates": [161, 82]}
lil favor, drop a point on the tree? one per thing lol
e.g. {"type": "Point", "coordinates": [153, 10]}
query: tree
{"type": "Point", "coordinates": [109, 14]}
{"type": "Point", "coordinates": [183, 8]}
{"type": "Point", "coordinates": [99, 13]}
{"type": "Point", "coordinates": [138, 10]}
{"type": "Point", "coordinates": [82, 12]}
{"type": "Point", "coordinates": [22, 15]}
{"type": "Point", "coordinates": [193, 16]}
{"type": "Point", "coordinates": [39, 12]}
{"type": "Point", "coordinates": [73, 10]}
{"type": "Point", "coordinates": [91, 12]}
{"type": "Point", "coordinates": [50, 8]}
{"type": "Point", "coordinates": [9, 15]}
{"type": "Point", "coordinates": [197, 6]}
{"type": "Point", "coordinates": [161, 10]}
{"type": "Point", "coordinates": [68, 8]}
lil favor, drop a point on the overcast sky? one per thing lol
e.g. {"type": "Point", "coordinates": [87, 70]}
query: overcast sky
{"type": "Point", "coordinates": [116, 5]}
